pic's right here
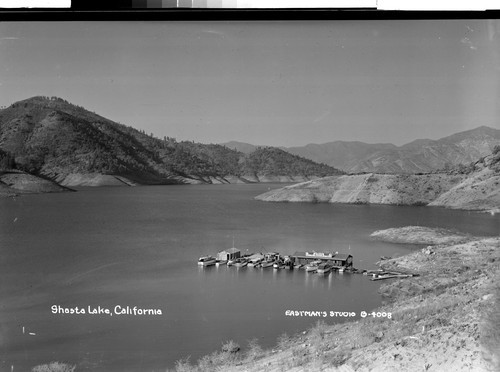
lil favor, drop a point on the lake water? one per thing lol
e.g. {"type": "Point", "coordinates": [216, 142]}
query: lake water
{"type": "Point", "coordinates": [139, 246]}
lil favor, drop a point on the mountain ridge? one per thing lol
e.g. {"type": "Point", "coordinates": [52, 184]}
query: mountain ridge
{"type": "Point", "coordinates": [51, 137]}
{"type": "Point", "coordinates": [417, 156]}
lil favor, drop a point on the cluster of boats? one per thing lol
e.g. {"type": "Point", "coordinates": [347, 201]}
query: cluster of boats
{"type": "Point", "coordinates": [274, 260]}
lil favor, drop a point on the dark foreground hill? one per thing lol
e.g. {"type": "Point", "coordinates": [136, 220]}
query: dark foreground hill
{"type": "Point", "coordinates": [73, 146]}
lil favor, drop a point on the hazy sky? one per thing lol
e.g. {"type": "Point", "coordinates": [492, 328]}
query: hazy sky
{"type": "Point", "coordinates": [267, 83]}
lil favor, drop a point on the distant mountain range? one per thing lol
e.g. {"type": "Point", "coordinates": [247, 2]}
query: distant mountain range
{"type": "Point", "coordinates": [53, 138]}
{"type": "Point", "coordinates": [422, 155]}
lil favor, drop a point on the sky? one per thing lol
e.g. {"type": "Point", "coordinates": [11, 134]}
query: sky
{"type": "Point", "coordinates": [278, 83]}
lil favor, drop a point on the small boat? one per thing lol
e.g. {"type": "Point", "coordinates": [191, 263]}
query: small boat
{"type": "Point", "coordinates": [313, 266]}
{"type": "Point", "coordinates": [341, 269]}
{"type": "Point", "coordinates": [240, 262]}
{"type": "Point", "coordinates": [255, 261]}
{"type": "Point", "coordinates": [388, 276]}
{"type": "Point", "coordinates": [231, 262]}
{"type": "Point", "coordinates": [324, 268]}
{"type": "Point", "coordinates": [297, 266]}
{"type": "Point", "coordinates": [265, 264]}
{"type": "Point", "coordinates": [220, 262]}
{"type": "Point", "coordinates": [206, 261]}
{"type": "Point", "coordinates": [278, 265]}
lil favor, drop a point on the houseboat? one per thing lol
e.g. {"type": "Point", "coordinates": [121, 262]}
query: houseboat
{"type": "Point", "coordinates": [240, 262]}
{"type": "Point", "coordinates": [206, 261]}
{"type": "Point", "coordinates": [278, 265]}
{"type": "Point", "coordinates": [313, 266]}
{"type": "Point", "coordinates": [324, 268]}
{"type": "Point", "coordinates": [255, 260]}
{"type": "Point", "coordinates": [229, 254]}
{"type": "Point", "coordinates": [269, 259]}
{"type": "Point", "coordinates": [264, 264]}
{"type": "Point", "coordinates": [335, 259]}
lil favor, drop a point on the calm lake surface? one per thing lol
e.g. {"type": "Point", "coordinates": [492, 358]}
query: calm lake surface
{"type": "Point", "coordinates": [139, 246]}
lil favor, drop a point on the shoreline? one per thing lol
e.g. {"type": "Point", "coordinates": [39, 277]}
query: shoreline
{"type": "Point", "coordinates": [435, 323]}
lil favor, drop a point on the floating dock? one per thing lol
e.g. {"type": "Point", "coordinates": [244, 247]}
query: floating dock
{"type": "Point", "coordinates": [299, 260]}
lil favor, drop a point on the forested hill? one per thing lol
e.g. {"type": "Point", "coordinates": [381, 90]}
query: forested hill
{"type": "Point", "coordinates": [267, 161]}
{"type": "Point", "coordinates": [73, 146]}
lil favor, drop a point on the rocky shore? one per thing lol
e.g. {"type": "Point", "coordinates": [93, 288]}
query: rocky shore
{"type": "Point", "coordinates": [368, 188]}
{"type": "Point", "coordinates": [442, 319]}
{"type": "Point", "coordinates": [14, 183]}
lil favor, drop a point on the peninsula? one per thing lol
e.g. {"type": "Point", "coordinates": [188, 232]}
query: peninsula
{"type": "Point", "coordinates": [476, 187]}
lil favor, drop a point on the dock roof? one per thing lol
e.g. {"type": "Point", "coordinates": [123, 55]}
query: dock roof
{"type": "Point", "coordinates": [335, 256]}
{"type": "Point", "coordinates": [314, 254]}
{"type": "Point", "coordinates": [342, 256]}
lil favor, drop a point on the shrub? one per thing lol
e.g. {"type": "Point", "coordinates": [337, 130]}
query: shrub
{"type": "Point", "coordinates": [54, 367]}
{"type": "Point", "coordinates": [283, 341]}
{"type": "Point", "coordinates": [183, 365]}
{"type": "Point", "coordinates": [318, 331]}
{"type": "Point", "coordinates": [230, 347]}
{"type": "Point", "coordinates": [254, 350]}
{"type": "Point", "coordinates": [338, 358]}
{"type": "Point", "coordinates": [490, 331]}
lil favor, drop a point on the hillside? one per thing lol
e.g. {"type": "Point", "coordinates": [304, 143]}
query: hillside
{"type": "Point", "coordinates": [73, 146]}
{"type": "Point", "coordinates": [270, 161]}
{"type": "Point", "coordinates": [480, 190]}
{"type": "Point", "coordinates": [477, 190]}
{"type": "Point", "coordinates": [422, 155]}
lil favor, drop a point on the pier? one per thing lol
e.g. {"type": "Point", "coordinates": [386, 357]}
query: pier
{"type": "Point", "coordinates": [335, 261]}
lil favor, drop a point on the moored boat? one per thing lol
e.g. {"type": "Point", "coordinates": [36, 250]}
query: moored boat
{"type": "Point", "coordinates": [255, 260]}
{"type": "Point", "coordinates": [324, 268]}
{"type": "Point", "coordinates": [220, 262]}
{"type": "Point", "coordinates": [278, 265]}
{"type": "Point", "coordinates": [312, 266]}
{"type": "Point", "coordinates": [206, 261]}
{"type": "Point", "coordinates": [241, 262]}
{"type": "Point", "coordinates": [264, 264]}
